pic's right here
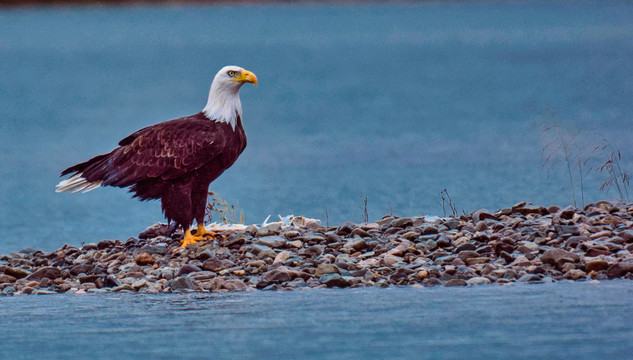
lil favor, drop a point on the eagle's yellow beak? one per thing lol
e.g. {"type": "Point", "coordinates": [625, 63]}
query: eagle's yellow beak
{"type": "Point", "coordinates": [248, 77]}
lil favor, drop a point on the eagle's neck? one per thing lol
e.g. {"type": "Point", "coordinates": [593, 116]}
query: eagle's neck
{"type": "Point", "coordinates": [224, 103]}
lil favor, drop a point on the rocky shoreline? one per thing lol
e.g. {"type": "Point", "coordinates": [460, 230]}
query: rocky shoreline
{"type": "Point", "coordinates": [525, 244]}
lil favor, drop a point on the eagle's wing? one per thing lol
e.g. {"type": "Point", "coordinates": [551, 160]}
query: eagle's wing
{"type": "Point", "coordinates": [166, 150]}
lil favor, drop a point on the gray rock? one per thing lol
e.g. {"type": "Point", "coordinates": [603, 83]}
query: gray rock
{"type": "Point", "coordinates": [9, 290]}
{"type": "Point", "coordinates": [205, 254]}
{"type": "Point", "coordinates": [466, 247]}
{"type": "Point", "coordinates": [324, 269]}
{"type": "Point", "coordinates": [558, 257]}
{"type": "Point", "coordinates": [275, 241]}
{"type": "Point", "coordinates": [530, 278]}
{"type": "Point", "coordinates": [182, 283]}
{"type": "Point", "coordinates": [358, 244]}
{"type": "Point", "coordinates": [109, 281]}
{"type": "Point", "coordinates": [467, 254]}
{"type": "Point", "coordinates": [154, 249]}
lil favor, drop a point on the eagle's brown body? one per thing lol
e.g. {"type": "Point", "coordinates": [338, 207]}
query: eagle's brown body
{"type": "Point", "coordinates": [174, 161]}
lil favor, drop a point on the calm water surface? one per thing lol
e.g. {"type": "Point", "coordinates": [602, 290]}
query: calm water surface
{"type": "Point", "coordinates": [395, 101]}
{"type": "Point", "coordinates": [553, 321]}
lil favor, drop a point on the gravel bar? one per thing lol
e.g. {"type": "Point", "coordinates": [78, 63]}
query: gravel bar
{"type": "Point", "coordinates": [524, 243]}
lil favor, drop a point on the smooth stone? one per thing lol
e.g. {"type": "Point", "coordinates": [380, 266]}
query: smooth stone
{"type": "Point", "coordinates": [205, 254]}
{"type": "Point", "coordinates": [16, 272]}
{"type": "Point", "coordinates": [281, 257]}
{"type": "Point", "coordinates": [483, 214]}
{"type": "Point", "coordinates": [575, 274]}
{"type": "Point", "coordinates": [154, 249]}
{"type": "Point", "coordinates": [7, 279]}
{"type": "Point", "coordinates": [620, 269]}
{"type": "Point", "coordinates": [390, 260]}
{"type": "Point", "coordinates": [213, 265]}
{"type": "Point", "coordinates": [275, 241]}
{"type": "Point", "coordinates": [182, 283]}
{"type": "Point", "coordinates": [279, 275]}
{"type": "Point", "coordinates": [8, 290]}
{"type": "Point", "coordinates": [358, 244]}
{"type": "Point", "coordinates": [143, 259]}
{"type": "Point", "coordinates": [187, 269]}
{"type": "Point", "coordinates": [109, 281]}
{"type": "Point", "coordinates": [81, 268]}
{"type": "Point", "coordinates": [596, 265]}
{"type": "Point", "coordinates": [333, 280]}
{"type": "Point", "coordinates": [267, 253]}
{"type": "Point", "coordinates": [478, 280]}
{"type": "Point", "coordinates": [456, 282]}
{"type": "Point", "coordinates": [465, 247]}
{"type": "Point", "coordinates": [558, 256]}
{"type": "Point", "coordinates": [49, 272]}
{"type": "Point", "coordinates": [467, 254]}
{"type": "Point", "coordinates": [234, 285]}
{"type": "Point", "coordinates": [86, 278]}
{"type": "Point", "coordinates": [477, 260]}
{"type": "Point", "coordinates": [324, 269]}
{"type": "Point", "coordinates": [139, 284]}
{"type": "Point", "coordinates": [530, 278]}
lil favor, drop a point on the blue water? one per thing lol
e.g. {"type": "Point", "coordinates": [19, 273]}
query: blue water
{"type": "Point", "coordinates": [394, 101]}
{"type": "Point", "coordinates": [546, 321]}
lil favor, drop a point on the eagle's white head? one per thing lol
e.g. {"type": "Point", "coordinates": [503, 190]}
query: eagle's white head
{"type": "Point", "coordinates": [224, 100]}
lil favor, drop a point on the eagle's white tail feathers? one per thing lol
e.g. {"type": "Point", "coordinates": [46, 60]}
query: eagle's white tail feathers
{"type": "Point", "coordinates": [77, 183]}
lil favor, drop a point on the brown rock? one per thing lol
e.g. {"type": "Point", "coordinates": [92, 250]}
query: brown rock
{"type": "Point", "coordinates": [465, 255]}
{"type": "Point", "coordinates": [596, 265]}
{"type": "Point", "coordinates": [558, 256]}
{"type": "Point", "coordinates": [280, 274]}
{"type": "Point", "coordinates": [234, 285]}
{"type": "Point", "coordinates": [456, 282]}
{"type": "Point", "coordinates": [326, 269]}
{"type": "Point", "coordinates": [144, 259]}
{"type": "Point", "coordinates": [49, 272]}
{"type": "Point", "coordinates": [187, 269]}
{"type": "Point", "coordinates": [4, 278]}
{"type": "Point", "coordinates": [213, 265]}
{"type": "Point", "coordinates": [619, 269]}
{"type": "Point", "coordinates": [575, 274]}
{"type": "Point", "coordinates": [81, 268]}
{"type": "Point", "coordinates": [16, 272]}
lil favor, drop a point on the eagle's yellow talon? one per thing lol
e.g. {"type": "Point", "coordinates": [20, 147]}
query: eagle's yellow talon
{"type": "Point", "coordinates": [189, 239]}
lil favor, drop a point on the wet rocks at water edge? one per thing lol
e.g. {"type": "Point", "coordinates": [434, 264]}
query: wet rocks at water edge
{"type": "Point", "coordinates": [521, 244]}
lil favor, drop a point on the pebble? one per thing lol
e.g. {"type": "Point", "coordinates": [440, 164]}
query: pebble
{"type": "Point", "coordinates": [520, 244]}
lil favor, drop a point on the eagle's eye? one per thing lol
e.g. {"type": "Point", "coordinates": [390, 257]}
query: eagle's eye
{"type": "Point", "coordinates": [231, 73]}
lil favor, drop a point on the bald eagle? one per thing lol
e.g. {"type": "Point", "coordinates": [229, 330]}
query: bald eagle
{"type": "Point", "coordinates": [176, 160]}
